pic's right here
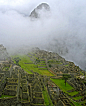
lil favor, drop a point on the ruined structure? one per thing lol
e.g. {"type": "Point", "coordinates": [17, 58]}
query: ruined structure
{"type": "Point", "coordinates": [18, 88]}
{"type": "Point", "coordinates": [3, 53]}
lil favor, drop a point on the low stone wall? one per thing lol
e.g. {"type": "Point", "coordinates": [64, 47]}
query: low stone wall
{"type": "Point", "coordinates": [10, 92]}
{"type": "Point", "coordinates": [6, 73]}
{"type": "Point", "coordinates": [38, 101]}
{"type": "Point", "coordinates": [59, 74]}
{"type": "Point", "coordinates": [25, 104]}
{"type": "Point", "coordinates": [42, 66]}
{"type": "Point", "coordinates": [37, 94]}
{"type": "Point", "coordinates": [25, 95]}
{"type": "Point", "coordinates": [38, 105]}
{"type": "Point", "coordinates": [8, 101]}
{"type": "Point", "coordinates": [53, 77]}
{"type": "Point", "coordinates": [71, 84]}
{"type": "Point", "coordinates": [42, 69]}
{"type": "Point", "coordinates": [71, 90]}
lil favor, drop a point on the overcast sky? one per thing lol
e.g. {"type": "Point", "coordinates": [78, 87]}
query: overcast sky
{"type": "Point", "coordinates": [63, 31]}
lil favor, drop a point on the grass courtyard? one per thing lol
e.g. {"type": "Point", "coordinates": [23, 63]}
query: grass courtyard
{"type": "Point", "coordinates": [60, 83]}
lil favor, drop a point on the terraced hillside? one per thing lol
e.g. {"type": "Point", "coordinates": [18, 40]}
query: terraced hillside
{"type": "Point", "coordinates": [52, 65]}
{"type": "Point", "coordinates": [41, 78]}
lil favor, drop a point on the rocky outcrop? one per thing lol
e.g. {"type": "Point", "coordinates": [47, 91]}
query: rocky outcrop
{"type": "Point", "coordinates": [3, 53]}
{"type": "Point", "coordinates": [43, 7]}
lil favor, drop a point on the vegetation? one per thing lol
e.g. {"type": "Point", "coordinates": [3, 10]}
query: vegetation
{"type": "Point", "coordinates": [65, 77]}
{"type": "Point", "coordinates": [73, 93]}
{"type": "Point", "coordinates": [60, 83]}
{"type": "Point", "coordinates": [38, 65]}
{"type": "Point", "coordinates": [47, 99]}
{"type": "Point", "coordinates": [28, 65]}
{"type": "Point", "coordinates": [50, 65]}
{"type": "Point", "coordinates": [54, 62]}
{"type": "Point", "coordinates": [37, 60]}
{"type": "Point", "coordinates": [6, 68]}
{"type": "Point", "coordinates": [6, 96]}
{"type": "Point", "coordinates": [17, 59]}
{"type": "Point", "coordinates": [67, 65]}
{"type": "Point", "coordinates": [77, 98]}
{"type": "Point", "coordinates": [76, 103]}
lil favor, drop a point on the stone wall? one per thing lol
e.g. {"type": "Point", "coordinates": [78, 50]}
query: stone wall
{"type": "Point", "coordinates": [8, 101]}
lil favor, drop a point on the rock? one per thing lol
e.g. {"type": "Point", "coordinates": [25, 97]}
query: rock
{"type": "Point", "coordinates": [42, 8]}
{"type": "Point", "coordinates": [3, 53]}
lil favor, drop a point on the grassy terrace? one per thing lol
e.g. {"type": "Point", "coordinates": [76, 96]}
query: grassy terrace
{"type": "Point", "coordinates": [28, 65]}
{"type": "Point", "coordinates": [47, 99]}
{"type": "Point", "coordinates": [76, 103]}
{"type": "Point", "coordinates": [6, 96]}
{"type": "Point", "coordinates": [73, 93]}
{"type": "Point", "coordinates": [77, 98]}
{"type": "Point", "coordinates": [54, 62]}
{"type": "Point", "coordinates": [42, 65]}
{"type": "Point", "coordinates": [60, 83]}
{"type": "Point", "coordinates": [67, 65]}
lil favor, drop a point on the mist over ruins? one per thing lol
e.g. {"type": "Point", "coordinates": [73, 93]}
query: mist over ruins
{"type": "Point", "coordinates": [42, 53]}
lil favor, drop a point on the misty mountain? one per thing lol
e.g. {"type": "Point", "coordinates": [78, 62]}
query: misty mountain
{"type": "Point", "coordinates": [42, 8]}
{"type": "Point", "coordinates": [60, 27]}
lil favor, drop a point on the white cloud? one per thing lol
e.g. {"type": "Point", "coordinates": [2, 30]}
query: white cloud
{"type": "Point", "coordinates": [64, 29]}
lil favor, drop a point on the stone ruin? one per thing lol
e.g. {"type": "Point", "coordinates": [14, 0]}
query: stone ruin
{"type": "Point", "coordinates": [3, 54]}
{"type": "Point", "coordinates": [27, 89]}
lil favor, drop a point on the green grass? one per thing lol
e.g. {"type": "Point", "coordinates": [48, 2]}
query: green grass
{"type": "Point", "coordinates": [6, 68]}
{"type": "Point", "coordinates": [60, 83]}
{"type": "Point", "coordinates": [75, 103]}
{"type": "Point", "coordinates": [77, 98]}
{"type": "Point", "coordinates": [42, 68]}
{"type": "Point", "coordinates": [50, 61]}
{"type": "Point", "coordinates": [41, 65]}
{"type": "Point", "coordinates": [45, 72]}
{"type": "Point", "coordinates": [25, 59]}
{"type": "Point", "coordinates": [73, 93]}
{"type": "Point", "coordinates": [28, 67]}
{"type": "Point", "coordinates": [55, 63]}
{"type": "Point", "coordinates": [47, 99]}
{"type": "Point", "coordinates": [6, 96]}
{"type": "Point", "coordinates": [42, 62]}
{"type": "Point", "coordinates": [67, 65]}
{"type": "Point", "coordinates": [81, 73]}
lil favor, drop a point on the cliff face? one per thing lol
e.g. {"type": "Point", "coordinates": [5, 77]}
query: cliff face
{"type": "Point", "coordinates": [3, 53]}
{"type": "Point", "coordinates": [40, 9]}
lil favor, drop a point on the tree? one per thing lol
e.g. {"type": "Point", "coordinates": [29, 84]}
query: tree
{"type": "Point", "coordinates": [17, 59]}
{"type": "Point", "coordinates": [37, 60]}
{"type": "Point", "coordinates": [65, 77]}
{"type": "Point", "coordinates": [50, 65]}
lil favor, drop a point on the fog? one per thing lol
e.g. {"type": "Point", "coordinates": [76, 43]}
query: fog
{"type": "Point", "coordinates": [62, 30]}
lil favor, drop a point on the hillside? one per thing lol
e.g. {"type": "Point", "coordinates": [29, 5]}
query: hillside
{"type": "Point", "coordinates": [42, 78]}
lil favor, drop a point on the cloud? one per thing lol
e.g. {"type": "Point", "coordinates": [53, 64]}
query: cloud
{"type": "Point", "coordinates": [62, 32]}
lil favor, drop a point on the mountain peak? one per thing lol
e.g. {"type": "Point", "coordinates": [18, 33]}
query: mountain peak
{"type": "Point", "coordinates": [43, 7]}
